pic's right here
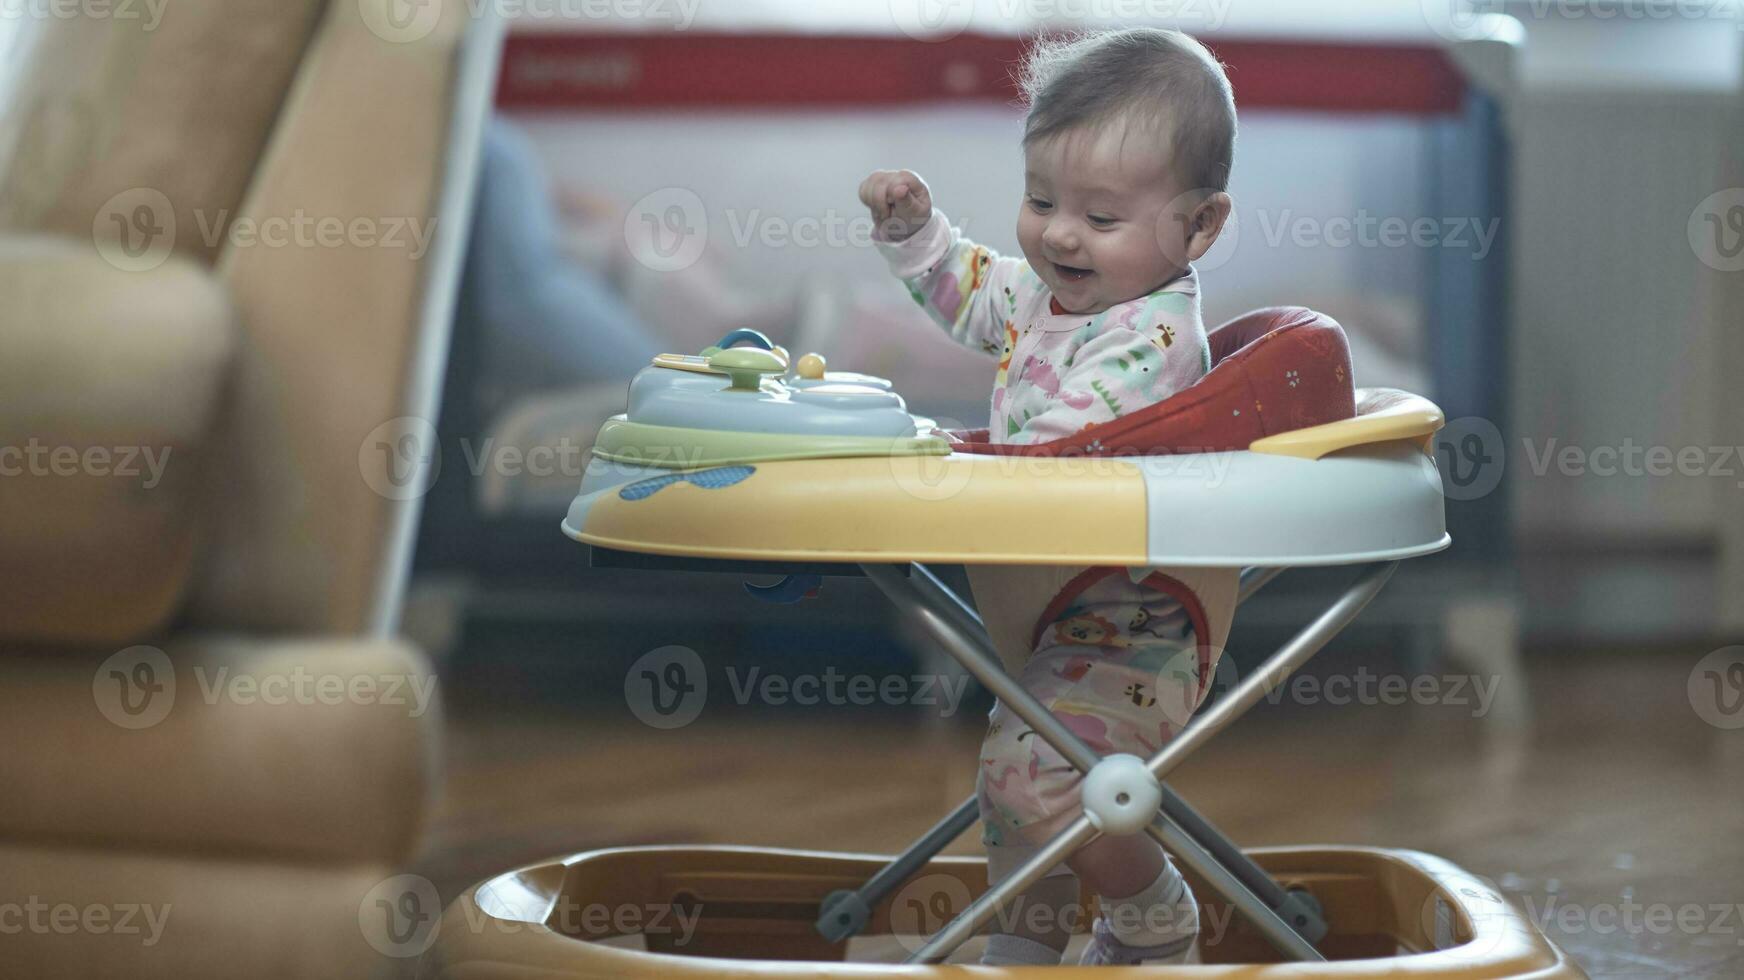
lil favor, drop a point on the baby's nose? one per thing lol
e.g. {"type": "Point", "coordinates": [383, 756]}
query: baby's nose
{"type": "Point", "coordinates": [1060, 238]}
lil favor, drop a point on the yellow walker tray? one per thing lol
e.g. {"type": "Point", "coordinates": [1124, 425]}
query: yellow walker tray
{"type": "Point", "coordinates": [742, 454]}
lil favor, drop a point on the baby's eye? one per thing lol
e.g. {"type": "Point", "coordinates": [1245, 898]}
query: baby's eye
{"type": "Point", "coordinates": [1101, 221]}
{"type": "Point", "coordinates": [1039, 204]}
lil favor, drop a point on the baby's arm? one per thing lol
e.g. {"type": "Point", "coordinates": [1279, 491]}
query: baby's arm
{"type": "Point", "coordinates": [968, 289]}
{"type": "Point", "coordinates": [1115, 373]}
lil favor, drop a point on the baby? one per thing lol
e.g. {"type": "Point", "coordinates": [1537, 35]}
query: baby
{"type": "Point", "coordinates": [1127, 151]}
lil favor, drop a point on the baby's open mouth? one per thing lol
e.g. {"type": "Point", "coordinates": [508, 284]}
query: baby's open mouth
{"type": "Point", "coordinates": [1071, 273]}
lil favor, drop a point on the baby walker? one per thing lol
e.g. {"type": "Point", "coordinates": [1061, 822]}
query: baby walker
{"type": "Point", "coordinates": [745, 455]}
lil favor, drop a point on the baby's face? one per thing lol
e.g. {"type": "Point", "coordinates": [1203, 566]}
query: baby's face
{"type": "Point", "coordinates": [1096, 216]}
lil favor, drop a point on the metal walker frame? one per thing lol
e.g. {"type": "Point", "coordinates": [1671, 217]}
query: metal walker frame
{"type": "Point", "coordinates": [1290, 920]}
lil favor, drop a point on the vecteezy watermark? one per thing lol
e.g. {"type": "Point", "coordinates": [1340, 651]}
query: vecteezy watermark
{"type": "Point", "coordinates": [1490, 918]}
{"type": "Point", "coordinates": [38, 917]}
{"type": "Point", "coordinates": [668, 688]}
{"type": "Point", "coordinates": [405, 21]}
{"type": "Point", "coordinates": [1472, 457]}
{"type": "Point", "coordinates": [146, 13]}
{"type": "Point", "coordinates": [668, 229]}
{"type": "Point", "coordinates": [401, 458]}
{"type": "Point", "coordinates": [136, 230]}
{"type": "Point", "coordinates": [401, 916]}
{"type": "Point", "coordinates": [1365, 230]}
{"type": "Point", "coordinates": [1365, 687]}
{"type": "Point", "coordinates": [34, 458]}
{"type": "Point", "coordinates": [136, 688]}
{"type": "Point", "coordinates": [1716, 230]}
{"type": "Point", "coordinates": [838, 689]}
{"type": "Point", "coordinates": [926, 904]}
{"type": "Point", "coordinates": [1286, 227]}
{"type": "Point", "coordinates": [1716, 688]}
{"type": "Point", "coordinates": [1482, 20]}
{"type": "Point", "coordinates": [597, 920]}
{"type": "Point", "coordinates": [1634, 460]}
{"type": "Point", "coordinates": [300, 229]}
{"type": "Point", "coordinates": [1635, 918]}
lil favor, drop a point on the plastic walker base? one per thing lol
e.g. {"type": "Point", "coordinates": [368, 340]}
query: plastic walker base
{"type": "Point", "coordinates": [750, 912]}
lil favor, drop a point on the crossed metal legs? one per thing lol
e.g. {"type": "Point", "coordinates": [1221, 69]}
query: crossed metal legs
{"type": "Point", "coordinates": [1204, 851]}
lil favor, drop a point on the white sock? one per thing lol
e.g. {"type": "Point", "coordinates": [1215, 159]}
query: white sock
{"type": "Point", "coordinates": [1164, 912]}
{"type": "Point", "coordinates": [1008, 950]}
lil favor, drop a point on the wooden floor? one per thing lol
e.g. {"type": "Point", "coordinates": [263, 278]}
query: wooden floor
{"type": "Point", "coordinates": [1610, 816]}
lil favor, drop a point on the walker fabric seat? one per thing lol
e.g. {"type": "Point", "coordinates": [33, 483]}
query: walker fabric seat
{"type": "Point", "coordinates": [1274, 370]}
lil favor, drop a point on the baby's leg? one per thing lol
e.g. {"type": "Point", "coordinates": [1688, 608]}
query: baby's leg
{"type": "Point", "coordinates": [1131, 671]}
{"type": "Point", "coordinates": [1035, 929]}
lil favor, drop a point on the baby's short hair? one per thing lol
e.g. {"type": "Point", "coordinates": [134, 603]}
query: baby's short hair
{"type": "Point", "coordinates": [1144, 73]}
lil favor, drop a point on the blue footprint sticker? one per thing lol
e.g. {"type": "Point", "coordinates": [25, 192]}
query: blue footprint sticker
{"type": "Point", "coordinates": [720, 476]}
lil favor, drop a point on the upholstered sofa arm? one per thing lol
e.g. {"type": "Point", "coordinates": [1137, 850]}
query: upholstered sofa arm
{"type": "Point", "coordinates": [109, 383]}
{"type": "Point", "coordinates": [297, 750]}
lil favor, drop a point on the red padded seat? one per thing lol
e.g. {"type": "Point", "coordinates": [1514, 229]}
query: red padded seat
{"type": "Point", "coordinates": [1273, 370]}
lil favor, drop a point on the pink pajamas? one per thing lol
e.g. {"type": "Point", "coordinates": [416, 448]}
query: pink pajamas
{"type": "Point", "coordinates": [1121, 666]}
{"type": "Point", "coordinates": [1058, 372]}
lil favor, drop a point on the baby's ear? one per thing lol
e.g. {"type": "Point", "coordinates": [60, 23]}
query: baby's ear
{"type": "Point", "coordinates": [1206, 223]}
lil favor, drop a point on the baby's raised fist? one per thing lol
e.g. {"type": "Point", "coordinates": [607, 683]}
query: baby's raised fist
{"type": "Point", "coordinates": [899, 201]}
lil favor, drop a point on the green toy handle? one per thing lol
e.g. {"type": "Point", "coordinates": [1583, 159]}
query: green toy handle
{"type": "Point", "coordinates": [746, 366]}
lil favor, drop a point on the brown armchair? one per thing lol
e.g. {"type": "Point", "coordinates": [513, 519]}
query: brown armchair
{"type": "Point", "coordinates": [230, 236]}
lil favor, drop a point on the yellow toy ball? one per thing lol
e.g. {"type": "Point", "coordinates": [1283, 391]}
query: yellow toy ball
{"type": "Point", "coordinates": [811, 367]}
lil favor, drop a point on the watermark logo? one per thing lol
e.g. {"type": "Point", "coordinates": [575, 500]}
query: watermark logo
{"type": "Point", "coordinates": [1465, 20]}
{"type": "Point", "coordinates": [932, 478]}
{"type": "Point", "coordinates": [666, 687]}
{"type": "Point", "coordinates": [135, 230]}
{"type": "Point", "coordinates": [1466, 914]}
{"type": "Point", "coordinates": [400, 458]}
{"type": "Point", "coordinates": [400, 917]}
{"type": "Point", "coordinates": [923, 907]}
{"type": "Point", "coordinates": [135, 688]}
{"type": "Point", "coordinates": [400, 21]}
{"type": "Point", "coordinates": [667, 230]}
{"type": "Point", "coordinates": [1716, 230]}
{"type": "Point", "coordinates": [932, 20]}
{"type": "Point", "coordinates": [1173, 228]}
{"type": "Point", "coordinates": [1471, 456]}
{"type": "Point", "coordinates": [1716, 688]}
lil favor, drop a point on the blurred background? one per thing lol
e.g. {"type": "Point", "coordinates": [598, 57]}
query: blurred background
{"type": "Point", "coordinates": [341, 291]}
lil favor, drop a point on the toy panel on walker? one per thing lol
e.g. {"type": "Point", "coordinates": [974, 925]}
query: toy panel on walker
{"type": "Point", "coordinates": [746, 452]}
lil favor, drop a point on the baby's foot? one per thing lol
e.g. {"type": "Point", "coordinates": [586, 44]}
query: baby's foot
{"type": "Point", "coordinates": [1106, 950]}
